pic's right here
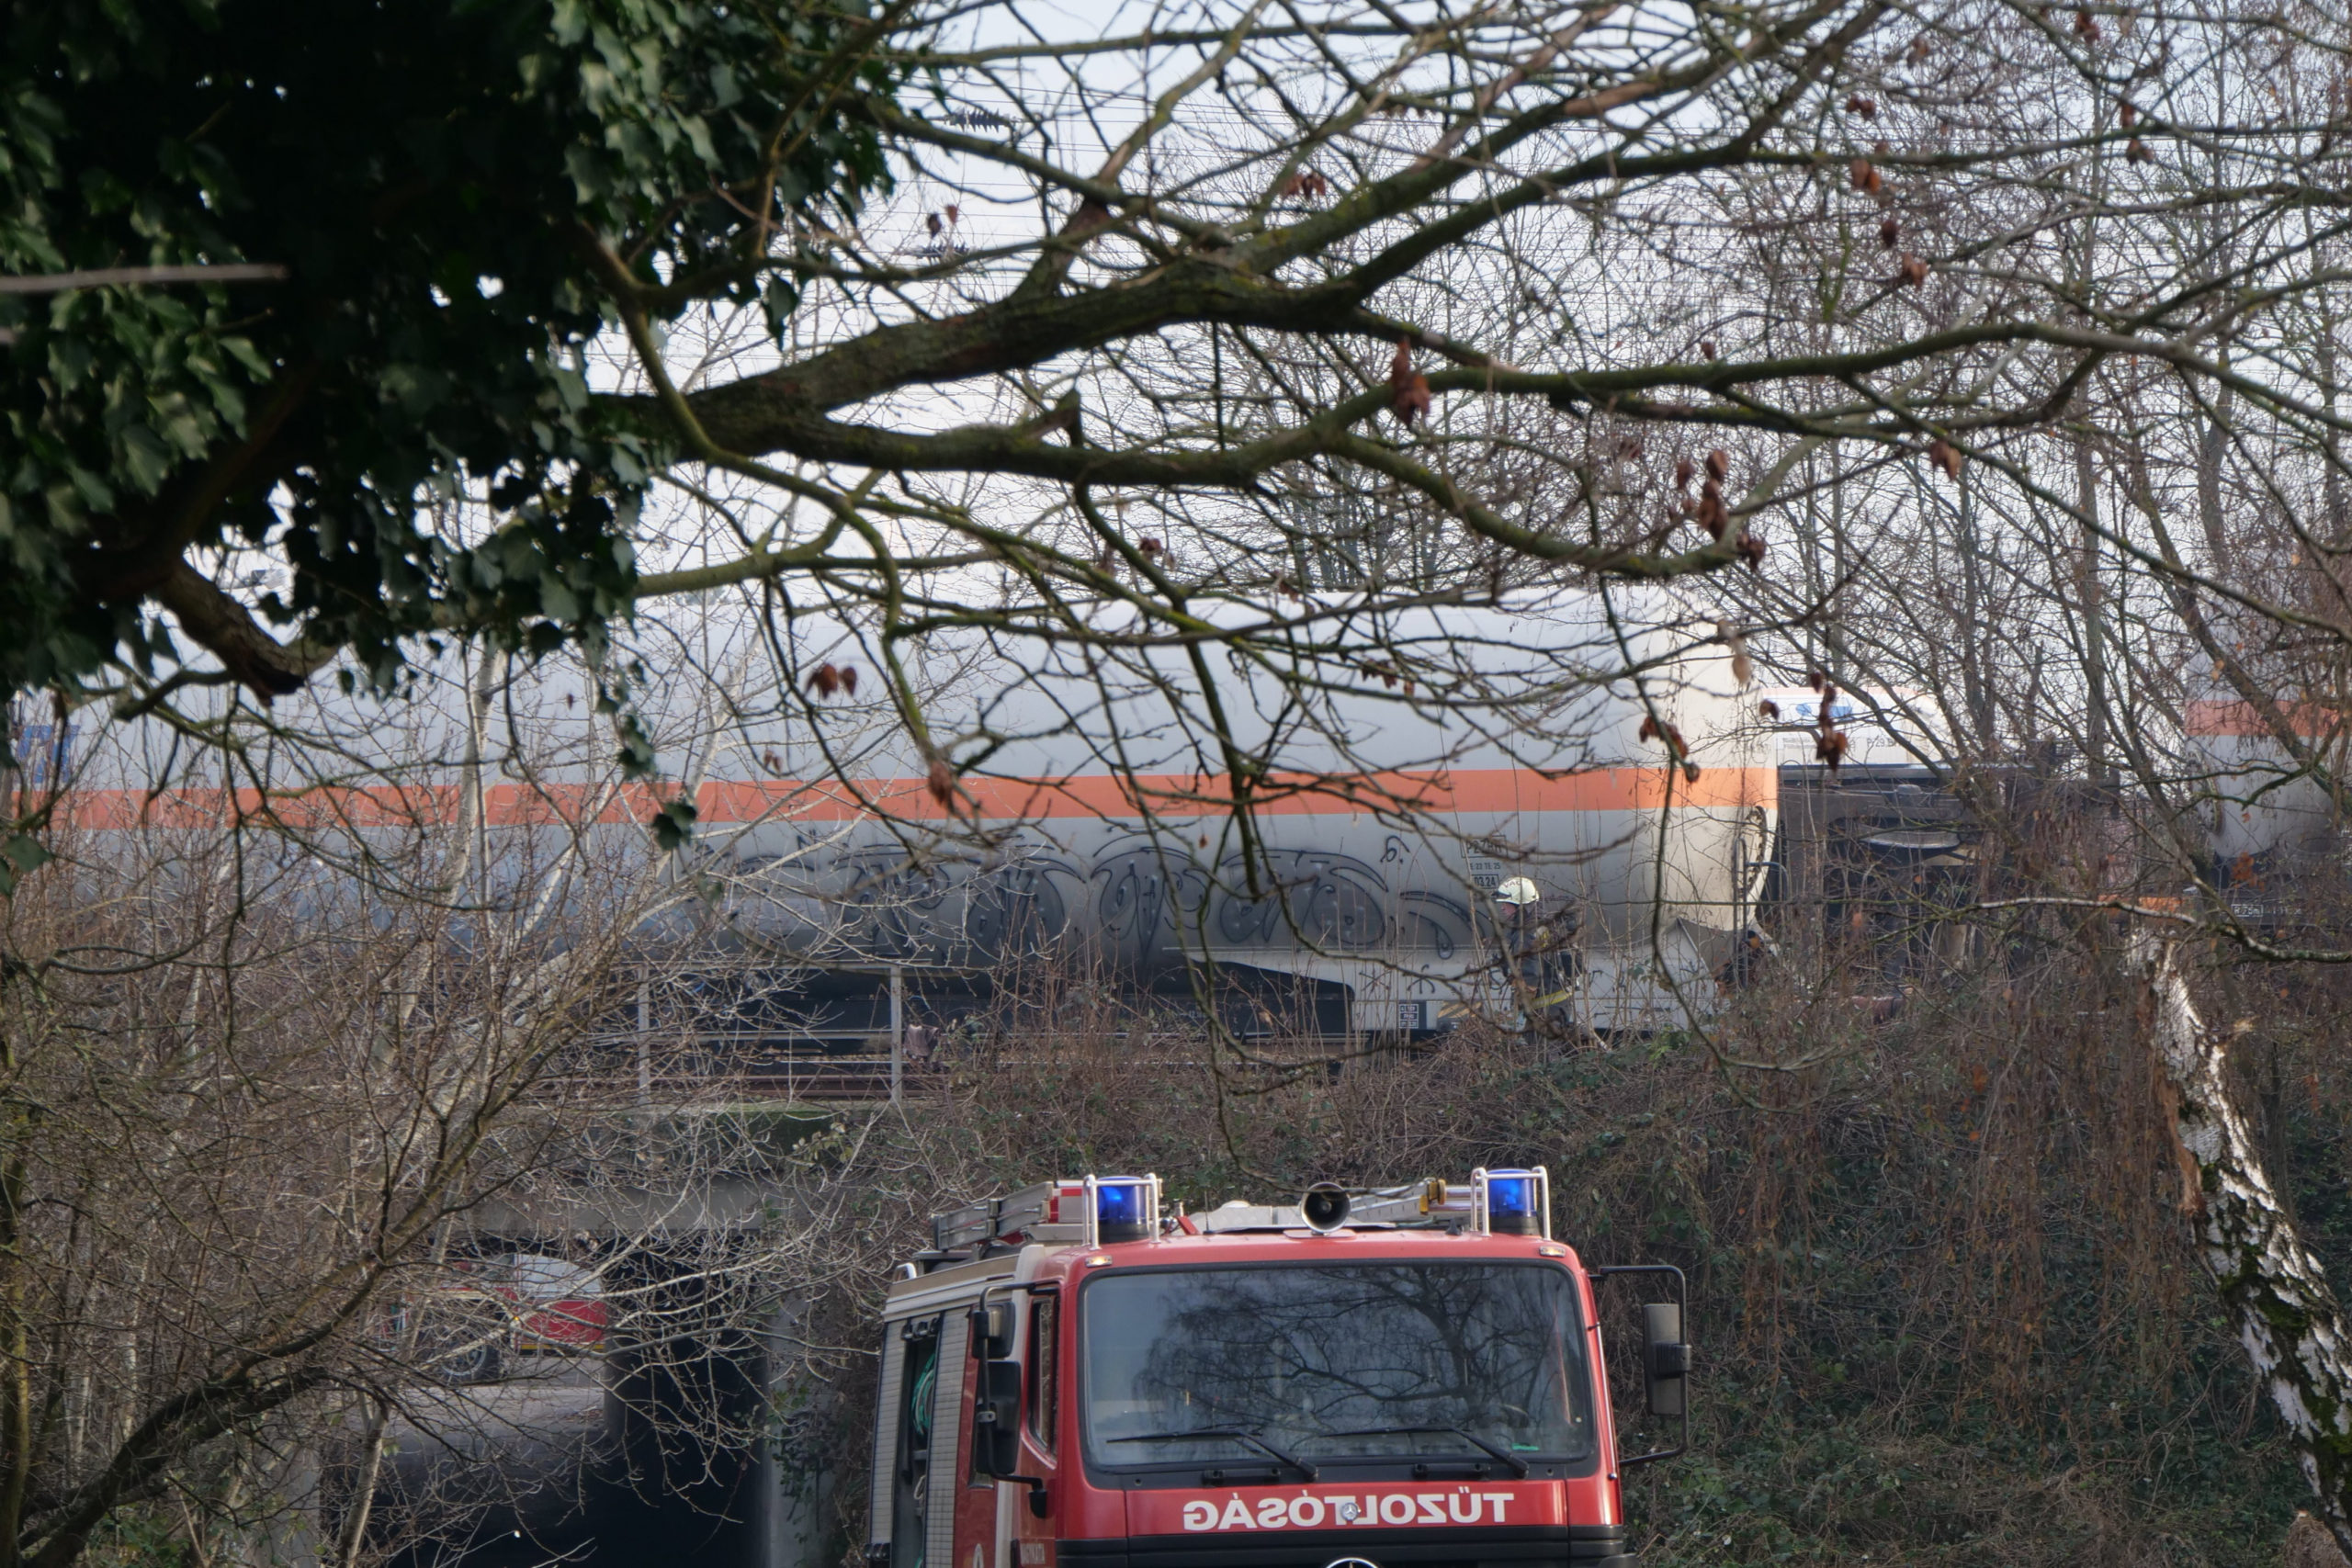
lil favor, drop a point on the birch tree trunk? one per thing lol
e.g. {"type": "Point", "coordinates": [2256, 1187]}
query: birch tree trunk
{"type": "Point", "coordinates": [2276, 1294]}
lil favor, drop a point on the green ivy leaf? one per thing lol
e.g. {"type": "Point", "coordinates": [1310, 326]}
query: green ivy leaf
{"type": "Point", "coordinates": [20, 855]}
{"type": "Point", "coordinates": [674, 825]}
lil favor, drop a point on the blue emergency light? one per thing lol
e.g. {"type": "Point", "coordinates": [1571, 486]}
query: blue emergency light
{"type": "Point", "coordinates": [1514, 1202]}
{"type": "Point", "coordinates": [1127, 1207]}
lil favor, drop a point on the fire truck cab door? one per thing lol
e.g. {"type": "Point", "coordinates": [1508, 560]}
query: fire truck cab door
{"type": "Point", "coordinates": [1017, 1537]}
{"type": "Point", "coordinates": [978, 1535]}
{"type": "Point", "coordinates": [994, 1528]}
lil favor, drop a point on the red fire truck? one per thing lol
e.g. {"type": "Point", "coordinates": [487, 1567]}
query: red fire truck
{"type": "Point", "coordinates": [1410, 1378]}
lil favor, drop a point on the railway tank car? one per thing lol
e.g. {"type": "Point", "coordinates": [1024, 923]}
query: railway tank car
{"type": "Point", "coordinates": [1416, 857]}
{"type": "Point", "coordinates": [1555, 817]}
{"type": "Point", "coordinates": [2275, 834]}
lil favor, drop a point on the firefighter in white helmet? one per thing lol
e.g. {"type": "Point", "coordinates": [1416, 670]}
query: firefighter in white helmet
{"type": "Point", "coordinates": [1539, 957]}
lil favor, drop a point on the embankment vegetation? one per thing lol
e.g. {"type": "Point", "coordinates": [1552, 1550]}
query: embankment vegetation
{"type": "Point", "coordinates": [1942, 1282]}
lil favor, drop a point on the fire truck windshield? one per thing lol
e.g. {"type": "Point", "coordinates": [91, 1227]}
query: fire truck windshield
{"type": "Point", "coordinates": [1334, 1363]}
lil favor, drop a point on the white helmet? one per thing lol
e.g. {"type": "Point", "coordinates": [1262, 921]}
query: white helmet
{"type": "Point", "coordinates": [1518, 890]}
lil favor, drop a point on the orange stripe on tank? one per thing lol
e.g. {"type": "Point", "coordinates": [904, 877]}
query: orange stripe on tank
{"type": "Point", "coordinates": [1477, 791]}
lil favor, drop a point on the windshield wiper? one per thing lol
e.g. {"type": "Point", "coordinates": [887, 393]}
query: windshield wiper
{"type": "Point", "coordinates": [1244, 1435]}
{"type": "Point", "coordinates": [1518, 1465]}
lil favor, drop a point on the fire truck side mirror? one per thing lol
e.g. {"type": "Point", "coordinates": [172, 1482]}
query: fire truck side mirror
{"type": "Point", "coordinates": [992, 1331]}
{"type": "Point", "coordinates": [1666, 1358]}
{"type": "Point", "coordinates": [996, 1420]}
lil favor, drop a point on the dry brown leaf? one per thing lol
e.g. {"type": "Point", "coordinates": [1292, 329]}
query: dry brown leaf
{"type": "Point", "coordinates": [1408, 390]}
{"type": "Point", "coordinates": [1413, 397]}
{"type": "Point", "coordinates": [1742, 669]}
{"type": "Point", "coordinates": [1713, 514]}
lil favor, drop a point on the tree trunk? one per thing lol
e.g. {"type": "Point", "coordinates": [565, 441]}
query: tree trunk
{"type": "Point", "coordinates": [2275, 1291]}
{"type": "Point", "coordinates": [353, 1538]}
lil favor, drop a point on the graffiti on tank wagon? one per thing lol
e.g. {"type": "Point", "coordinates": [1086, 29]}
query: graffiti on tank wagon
{"type": "Point", "coordinates": [1136, 902]}
{"type": "Point", "coordinates": [1330, 900]}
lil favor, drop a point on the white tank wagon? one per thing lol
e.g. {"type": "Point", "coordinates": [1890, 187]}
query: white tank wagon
{"type": "Point", "coordinates": [2274, 832]}
{"type": "Point", "coordinates": [1099, 831]}
{"type": "Point", "coordinates": [1093, 825]}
